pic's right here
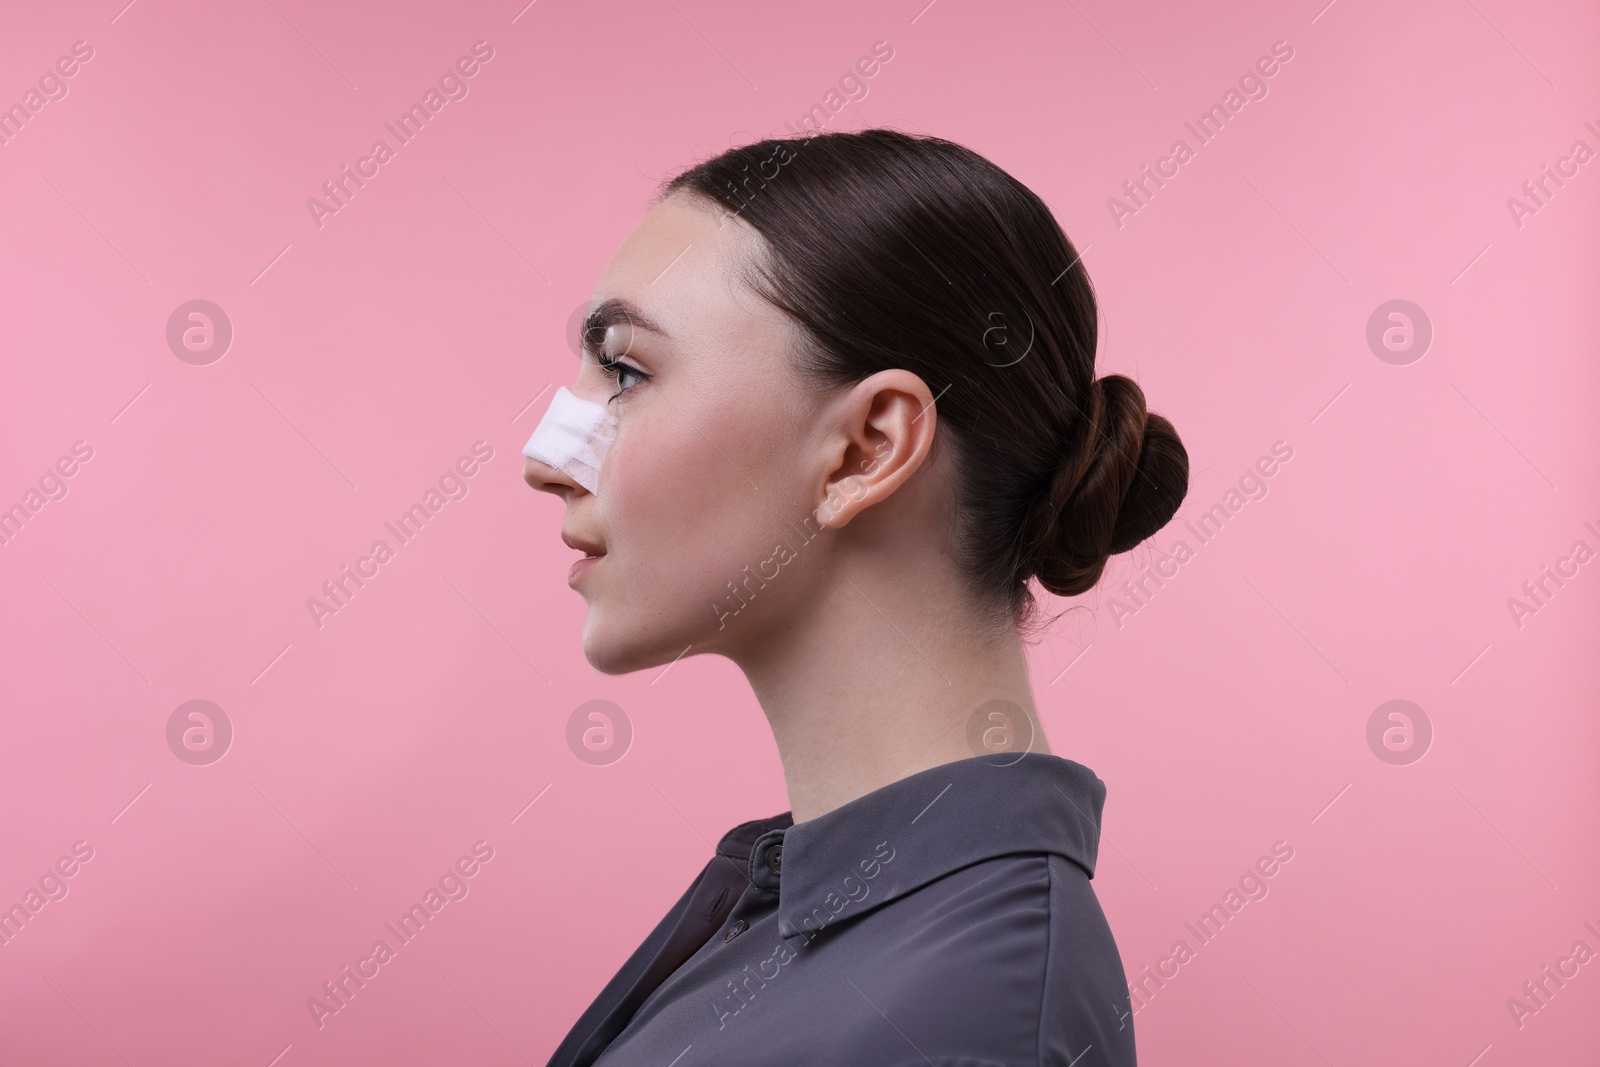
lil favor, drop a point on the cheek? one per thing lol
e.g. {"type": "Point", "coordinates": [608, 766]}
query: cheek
{"type": "Point", "coordinates": [679, 504]}
{"type": "Point", "coordinates": [664, 484]}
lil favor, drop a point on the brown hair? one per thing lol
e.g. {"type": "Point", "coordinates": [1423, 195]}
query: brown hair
{"type": "Point", "coordinates": [898, 250]}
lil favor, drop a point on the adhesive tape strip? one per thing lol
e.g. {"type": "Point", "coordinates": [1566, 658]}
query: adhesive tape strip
{"type": "Point", "coordinates": [573, 437]}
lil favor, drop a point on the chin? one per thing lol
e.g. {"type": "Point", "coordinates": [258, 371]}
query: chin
{"type": "Point", "coordinates": [610, 652]}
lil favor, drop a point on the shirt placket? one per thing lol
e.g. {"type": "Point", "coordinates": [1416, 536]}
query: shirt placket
{"type": "Point", "coordinates": [758, 899]}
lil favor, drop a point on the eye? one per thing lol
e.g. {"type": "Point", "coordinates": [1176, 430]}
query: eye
{"type": "Point", "coordinates": [615, 369]}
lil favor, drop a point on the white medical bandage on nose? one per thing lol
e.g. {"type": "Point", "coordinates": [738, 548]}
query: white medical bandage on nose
{"type": "Point", "coordinates": [573, 437]}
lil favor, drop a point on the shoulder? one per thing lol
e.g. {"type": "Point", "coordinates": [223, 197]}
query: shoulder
{"type": "Point", "coordinates": [1007, 961]}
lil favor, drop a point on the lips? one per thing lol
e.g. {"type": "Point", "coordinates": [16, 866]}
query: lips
{"type": "Point", "coordinates": [590, 549]}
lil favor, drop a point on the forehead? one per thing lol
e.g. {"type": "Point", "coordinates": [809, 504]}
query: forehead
{"type": "Point", "coordinates": [680, 268]}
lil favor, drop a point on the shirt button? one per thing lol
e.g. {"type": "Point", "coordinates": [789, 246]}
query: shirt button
{"type": "Point", "coordinates": [775, 859]}
{"type": "Point", "coordinates": [735, 930]}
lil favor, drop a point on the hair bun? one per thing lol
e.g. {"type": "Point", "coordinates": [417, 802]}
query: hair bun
{"type": "Point", "coordinates": [1122, 475]}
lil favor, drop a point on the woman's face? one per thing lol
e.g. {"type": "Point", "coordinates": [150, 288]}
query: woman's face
{"type": "Point", "coordinates": [714, 452]}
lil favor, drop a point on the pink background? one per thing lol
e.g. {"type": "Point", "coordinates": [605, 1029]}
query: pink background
{"type": "Point", "coordinates": [1230, 712]}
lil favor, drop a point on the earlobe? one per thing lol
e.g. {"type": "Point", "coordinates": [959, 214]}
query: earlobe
{"type": "Point", "coordinates": [831, 513]}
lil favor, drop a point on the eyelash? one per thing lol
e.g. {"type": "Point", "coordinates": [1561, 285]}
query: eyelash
{"type": "Point", "coordinates": [614, 369]}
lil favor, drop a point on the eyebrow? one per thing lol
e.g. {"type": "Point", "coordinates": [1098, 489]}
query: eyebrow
{"type": "Point", "coordinates": [617, 312]}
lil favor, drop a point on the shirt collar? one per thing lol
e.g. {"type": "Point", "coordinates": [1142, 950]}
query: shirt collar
{"type": "Point", "coordinates": [900, 837]}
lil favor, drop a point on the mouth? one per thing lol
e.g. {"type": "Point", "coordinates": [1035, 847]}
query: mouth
{"type": "Point", "coordinates": [590, 549]}
{"type": "Point", "coordinates": [591, 558]}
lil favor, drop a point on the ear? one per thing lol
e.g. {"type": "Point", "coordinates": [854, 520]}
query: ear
{"type": "Point", "coordinates": [884, 428]}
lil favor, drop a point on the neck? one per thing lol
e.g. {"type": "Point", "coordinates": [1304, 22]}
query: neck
{"type": "Point", "coordinates": [879, 680]}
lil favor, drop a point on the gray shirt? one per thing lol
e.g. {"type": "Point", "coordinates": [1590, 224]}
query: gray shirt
{"type": "Point", "coordinates": [945, 919]}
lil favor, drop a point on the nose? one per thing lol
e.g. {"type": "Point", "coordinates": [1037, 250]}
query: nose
{"type": "Point", "coordinates": [567, 440]}
{"type": "Point", "coordinates": [548, 479]}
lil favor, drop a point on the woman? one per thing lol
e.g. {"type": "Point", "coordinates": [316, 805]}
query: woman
{"type": "Point", "coordinates": [844, 407]}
